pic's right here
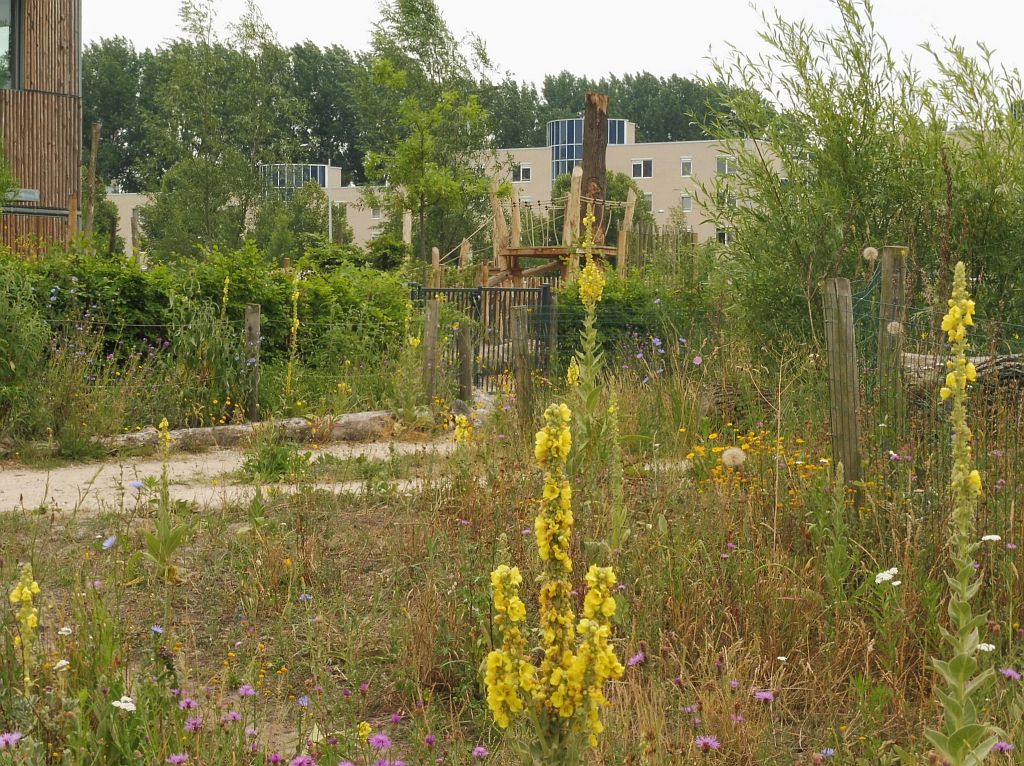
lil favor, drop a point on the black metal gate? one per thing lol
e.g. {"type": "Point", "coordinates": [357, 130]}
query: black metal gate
{"type": "Point", "coordinates": [490, 308]}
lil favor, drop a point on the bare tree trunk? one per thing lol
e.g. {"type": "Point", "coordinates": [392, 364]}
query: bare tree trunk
{"type": "Point", "coordinates": [595, 146]}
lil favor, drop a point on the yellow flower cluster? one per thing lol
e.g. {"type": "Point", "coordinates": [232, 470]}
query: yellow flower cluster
{"type": "Point", "coordinates": [165, 435]}
{"type": "Point", "coordinates": [22, 596]}
{"type": "Point", "coordinates": [591, 279]}
{"type": "Point", "coordinates": [463, 430]}
{"type": "Point", "coordinates": [567, 689]}
{"type": "Point", "coordinates": [508, 672]}
{"type": "Point", "coordinates": [553, 525]}
{"type": "Point", "coordinates": [572, 375]}
{"type": "Point", "coordinates": [363, 730]}
{"type": "Point", "coordinates": [966, 481]}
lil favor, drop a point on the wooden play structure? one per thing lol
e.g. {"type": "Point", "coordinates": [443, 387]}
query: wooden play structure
{"type": "Point", "coordinates": [507, 267]}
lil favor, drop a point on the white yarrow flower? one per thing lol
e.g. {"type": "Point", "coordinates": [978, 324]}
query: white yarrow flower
{"type": "Point", "coordinates": [126, 704]}
{"type": "Point", "coordinates": [782, 659]}
{"type": "Point", "coordinates": [886, 576]}
{"type": "Point", "coordinates": [991, 539]}
{"type": "Point", "coordinates": [986, 647]}
{"type": "Point", "coordinates": [897, 583]}
{"type": "Point", "coordinates": [65, 631]}
{"type": "Point", "coordinates": [61, 665]}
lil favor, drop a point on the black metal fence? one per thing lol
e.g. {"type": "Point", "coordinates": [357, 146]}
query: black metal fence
{"type": "Point", "coordinates": [490, 311]}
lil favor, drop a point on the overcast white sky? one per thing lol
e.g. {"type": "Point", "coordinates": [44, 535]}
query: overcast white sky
{"type": "Point", "coordinates": [531, 38]}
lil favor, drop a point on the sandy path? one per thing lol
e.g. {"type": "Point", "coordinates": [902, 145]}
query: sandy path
{"type": "Point", "coordinates": [197, 478]}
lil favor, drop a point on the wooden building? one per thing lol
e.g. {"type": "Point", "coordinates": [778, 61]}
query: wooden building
{"type": "Point", "coordinates": [41, 116]}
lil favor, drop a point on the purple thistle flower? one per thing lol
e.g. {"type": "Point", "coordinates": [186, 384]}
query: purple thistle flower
{"type": "Point", "coordinates": [193, 724]}
{"type": "Point", "coordinates": [637, 659]}
{"type": "Point", "coordinates": [10, 739]}
{"type": "Point", "coordinates": [480, 752]}
{"type": "Point", "coordinates": [396, 718]}
{"type": "Point", "coordinates": [734, 684]}
{"type": "Point", "coordinates": [188, 704]}
{"type": "Point", "coordinates": [690, 709]}
{"type": "Point", "coordinates": [737, 718]}
{"type": "Point", "coordinates": [275, 758]}
{"type": "Point", "coordinates": [1011, 546]}
{"type": "Point", "coordinates": [1002, 747]}
{"type": "Point", "coordinates": [246, 690]}
{"type": "Point", "coordinates": [766, 695]}
{"type": "Point", "coordinates": [302, 760]}
{"type": "Point", "coordinates": [380, 741]}
{"type": "Point", "coordinates": [364, 687]}
{"type": "Point", "coordinates": [707, 742]}
{"type": "Point", "coordinates": [429, 740]}
{"type": "Point", "coordinates": [177, 758]}
{"type": "Point", "coordinates": [1010, 673]}
{"type": "Point", "coordinates": [231, 716]}
{"type": "Point", "coordinates": [346, 692]}
{"type": "Point", "coordinates": [250, 731]}
{"type": "Point", "coordinates": [698, 361]}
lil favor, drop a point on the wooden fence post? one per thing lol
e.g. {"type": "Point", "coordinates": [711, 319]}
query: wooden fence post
{"type": "Point", "coordinates": [435, 268]}
{"type": "Point", "coordinates": [431, 329]}
{"type": "Point", "coordinates": [844, 398]}
{"type": "Point", "coordinates": [72, 218]}
{"type": "Point", "coordinates": [465, 254]}
{"type": "Point", "coordinates": [521, 367]}
{"type": "Point", "coordinates": [407, 228]}
{"type": "Point", "coordinates": [516, 237]}
{"type": "Point", "coordinates": [466, 362]}
{"type": "Point", "coordinates": [625, 231]}
{"type": "Point", "coordinates": [252, 360]}
{"type": "Point", "coordinates": [90, 211]}
{"type": "Point", "coordinates": [891, 314]}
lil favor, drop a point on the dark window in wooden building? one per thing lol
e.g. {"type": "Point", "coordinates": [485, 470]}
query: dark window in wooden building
{"type": "Point", "coordinates": [11, 43]}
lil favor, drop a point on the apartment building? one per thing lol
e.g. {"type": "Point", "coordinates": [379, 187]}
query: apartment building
{"type": "Point", "coordinates": [668, 173]}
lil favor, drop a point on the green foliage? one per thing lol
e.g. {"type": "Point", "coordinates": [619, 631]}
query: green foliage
{"type": "Point", "coordinates": [23, 343]}
{"type": "Point", "coordinates": [865, 152]}
{"type": "Point", "coordinates": [386, 253]}
{"type": "Point", "coordinates": [289, 226]}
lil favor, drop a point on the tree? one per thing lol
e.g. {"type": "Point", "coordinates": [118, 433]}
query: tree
{"type": "Point", "coordinates": [515, 114]}
{"type": "Point", "coordinates": [322, 80]}
{"type": "Point", "coordinates": [113, 94]}
{"type": "Point", "coordinates": [223, 109]}
{"type": "Point", "coordinates": [288, 226]}
{"type": "Point", "coordinates": [426, 136]}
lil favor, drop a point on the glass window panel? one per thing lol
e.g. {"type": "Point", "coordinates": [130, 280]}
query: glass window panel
{"type": "Point", "coordinates": [7, 43]}
{"type": "Point", "coordinates": [687, 203]}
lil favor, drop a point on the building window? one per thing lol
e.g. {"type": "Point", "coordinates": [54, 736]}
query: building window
{"type": "Point", "coordinates": [375, 213]}
{"type": "Point", "coordinates": [726, 165]}
{"type": "Point", "coordinates": [686, 166]}
{"type": "Point", "coordinates": [649, 201]}
{"type": "Point", "coordinates": [10, 43]}
{"type": "Point", "coordinates": [616, 132]}
{"type": "Point", "coordinates": [522, 174]}
{"type": "Point", "coordinates": [686, 203]}
{"type": "Point", "coordinates": [725, 236]}
{"type": "Point", "coordinates": [643, 168]}
{"type": "Point", "coordinates": [726, 198]}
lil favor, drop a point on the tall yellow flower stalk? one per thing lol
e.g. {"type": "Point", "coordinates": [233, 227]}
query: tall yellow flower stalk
{"type": "Point", "coordinates": [22, 596]}
{"type": "Point", "coordinates": [564, 694]}
{"type": "Point", "coordinates": [965, 739]}
{"type": "Point", "coordinates": [293, 345]}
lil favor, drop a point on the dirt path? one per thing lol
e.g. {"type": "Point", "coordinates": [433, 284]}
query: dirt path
{"type": "Point", "coordinates": [197, 478]}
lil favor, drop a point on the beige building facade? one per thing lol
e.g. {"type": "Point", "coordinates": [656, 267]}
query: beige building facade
{"type": "Point", "coordinates": [669, 173]}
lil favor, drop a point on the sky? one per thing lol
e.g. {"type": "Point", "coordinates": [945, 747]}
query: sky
{"type": "Point", "coordinates": [531, 38]}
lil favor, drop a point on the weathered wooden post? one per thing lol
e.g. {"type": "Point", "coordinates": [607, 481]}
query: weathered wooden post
{"type": "Point", "coordinates": [465, 254]}
{"type": "Point", "coordinates": [595, 150]}
{"type": "Point", "coordinates": [891, 314]}
{"type": "Point", "coordinates": [90, 211]}
{"type": "Point", "coordinates": [435, 268]}
{"type": "Point", "coordinates": [516, 239]}
{"type": "Point", "coordinates": [549, 321]}
{"type": "Point", "coordinates": [72, 218]}
{"type": "Point", "coordinates": [521, 367]}
{"type": "Point", "coordinates": [252, 360]}
{"type": "Point", "coordinates": [844, 397]}
{"type": "Point", "coordinates": [136, 232]}
{"type": "Point", "coordinates": [500, 242]}
{"type": "Point", "coordinates": [431, 330]}
{"type": "Point", "coordinates": [466, 362]}
{"type": "Point", "coordinates": [407, 228]}
{"type": "Point", "coordinates": [571, 224]}
{"type": "Point", "coordinates": [625, 231]}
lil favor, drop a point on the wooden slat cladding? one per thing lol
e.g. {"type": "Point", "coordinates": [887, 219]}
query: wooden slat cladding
{"type": "Point", "coordinates": [52, 46]}
{"type": "Point", "coordinates": [42, 134]}
{"type": "Point", "coordinates": [28, 234]}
